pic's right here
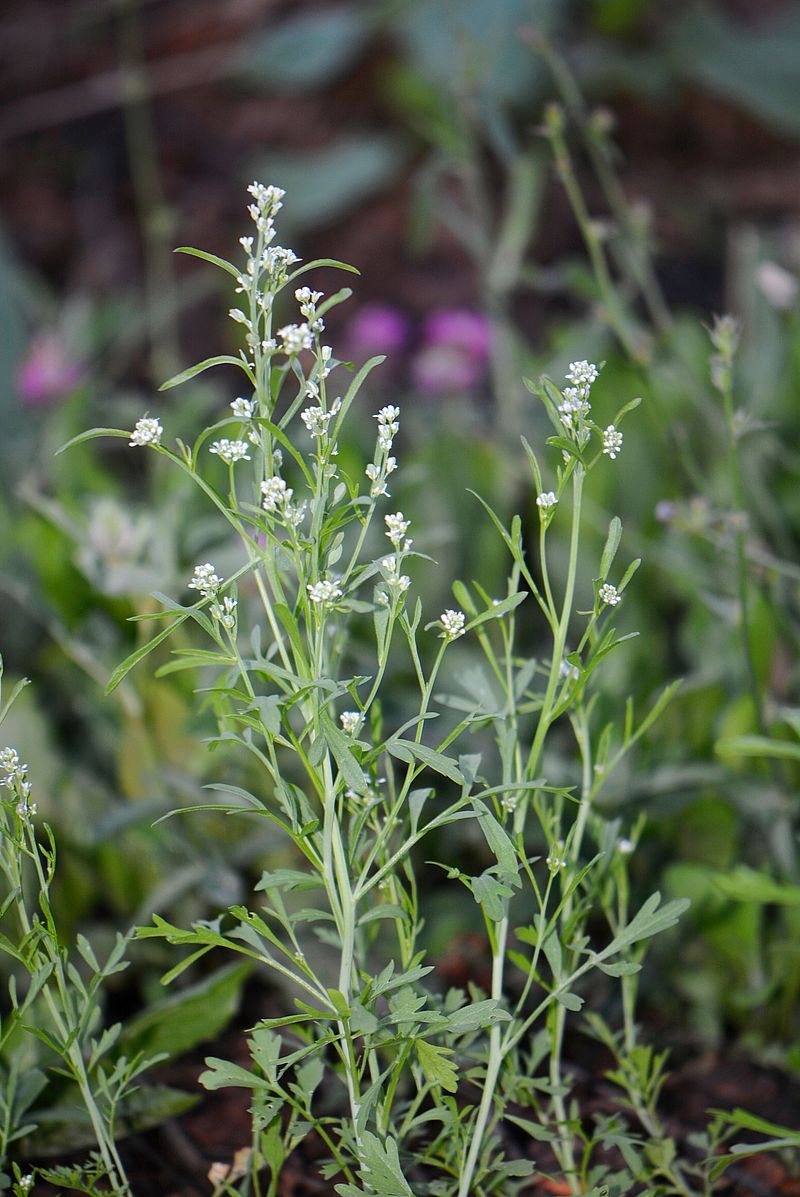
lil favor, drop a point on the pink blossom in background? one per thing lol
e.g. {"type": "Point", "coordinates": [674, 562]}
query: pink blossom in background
{"type": "Point", "coordinates": [462, 329]}
{"type": "Point", "coordinates": [377, 328]}
{"type": "Point", "coordinates": [48, 372]}
{"type": "Point", "coordinates": [442, 369]}
{"type": "Point", "coordinates": [455, 352]}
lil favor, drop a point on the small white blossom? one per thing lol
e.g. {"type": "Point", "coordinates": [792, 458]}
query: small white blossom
{"type": "Point", "coordinates": [582, 374]}
{"type": "Point", "coordinates": [9, 763]}
{"type": "Point", "coordinates": [26, 1182]}
{"type": "Point", "coordinates": [612, 442]}
{"type": "Point", "coordinates": [276, 259]}
{"type": "Point", "coordinates": [243, 408]}
{"type": "Point", "coordinates": [325, 592]}
{"type": "Point", "coordinates": [275, 493]}
{"type": "Point", "coordinates": [609, 594]}
{"type": "Point", "coordinates": [396, 528]}
{"type": "Point", "coordinates": [452, 623]}
{"type": "Point", "coordinates": [238, 316]}
{"type": "Point", "coordinates": [350, 721]}
{"type": "Point", "coordinates": [267, 197]}
{"type": "Point", "coordinates": [148, 431]}
{"type": "Point", "coordinates": [625, 846]}
{"type": "Point", "coordinates": [509, 802]}
{"type": "Point", "coordinates": [206, 580]}
{"type": "Point", "coordinates": [295, 337]}
{"type": "Point", "coordinates": [230, 451]}
{"type": "Point", "coordinates": [546, 500]}
{"type": "Point", "coordinates": [555, 862]}
{"type": "Point", "coordinates": [225, 612]}
{"type": "Point", "coordinates": [316, 420]}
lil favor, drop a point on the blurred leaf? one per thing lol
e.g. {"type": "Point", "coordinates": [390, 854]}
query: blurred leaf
{"type": "Point", "coordinates": [327, 183]}
{"type": "Point", "coordinates": [307, 51]}
{"type": "Point", "coordinates": [748, 885]}
{"type": "Point", "coordinates": [758, 746]}
{"type": "Point", "coordinates": [758, 69]}
{"type": "Point", "coordinates": [179, 1022]}
{"type": "Point", "coordinates": [66, 1127]}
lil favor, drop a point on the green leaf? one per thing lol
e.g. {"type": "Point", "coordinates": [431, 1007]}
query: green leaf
{"type": "Point", "coordinates": [649, 920]}
{"type": "Point", "coordinates": [341, 747]}
{"type": "Point", "coordinates": [409, 751]}
{"type": "Point", "coordinates": [220, 1074]}
{"type": "Point", "coordinates": [491, 894]}
{"type": "Point", "coordinates": [748, 885]}
{"type": "Point", "coordinates": [228, 267]}
{"type": "Point", "coordinates": [501, 845]}
{"type": "Point", "coordinates": [758, 746]}
{"type": "Point", "coordinates": [611, 546]}
{"type": "Point", "coordinates": [436, 1065]}
{"type": "Point", "coordinates": [127, 665]}
{"type": "Point", "coordinates": [193, 371]}
{"type": "Point", "coordinates": [92, 434]}
{"type": "Point", "coordinates": [307, 51]}
{"type": "Point", "coordinates": [498, 610]}
{"type": "Point", "coordinates": [181, 1021]}
{"type": "Point", "coordinates": [476, 1017]}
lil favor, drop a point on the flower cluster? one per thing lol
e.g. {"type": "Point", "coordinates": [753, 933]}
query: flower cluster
{"type": "Point", "coordinates": [397, 583]}
{"type": "Point", "coordinates": [396, 528]}
{"type": "Point", "coordinates": [275, 493]}
{"type": "Point", "coordinates": [612, 442]}
{"type": "Point", "coordinates": [225, 612]}
{"type": "Point", "coordinates": [350, 721]}
{"type": "Point", "coordinates": [452, 624]}
{"type": "Point", "coordinates": [575, 406]}
{"type": "Point", "coordinates": [148, 431]}
{"type": "Point", "coordinates": [316, 419]}
{"type": "Point", "coordinates": [243, 408]}
{"type": "Point", "coordinates": [324, 593]}
{"type": "Point", "coordinates": [384, 464]}
{"type": "Point", "coordinates": [296, 337]}
{"type": "Point", "coordinates": [206, 580]}
{"type": "Point", "coordinates": [14, 776]}
{"type": "Point", "coordinates": [308, 301]}
{"type": "Point", "coordinates": [230, 451]}
{"type": "Point", "coordinates": [609, 594]}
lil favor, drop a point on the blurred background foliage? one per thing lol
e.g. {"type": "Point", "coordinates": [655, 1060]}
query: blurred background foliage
{"type": "Point", "coordinates": [520, 183]}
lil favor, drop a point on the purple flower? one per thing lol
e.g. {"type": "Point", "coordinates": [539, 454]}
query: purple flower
{"type": "Point", "coordinates": [459, 328]}
{"type": "Point", "coordinates": [48, 372]}
{"type": "Point", "coordinates": [377, 328]}
{"type": "Point", "coordinates": [455, 352]}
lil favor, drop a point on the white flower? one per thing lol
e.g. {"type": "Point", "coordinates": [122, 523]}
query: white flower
{"type": "Point", "coordinates": [582, 374]}
{"type": "Point", "coordinates": [546, 500]}
{"type": "Point", "coordinates": [238, 316]}
{"type": "Point", "coordinates": [230, 451]}
{"type": "Point", "coordinates": [295, 337]}
{"type": "Point", "coordinates": [276, 259]}
{"type": "Point", "coordinates": [612, 442]}
{"type": "Point", "coordinates": [26, 1182]}
{"type": "Point", "coordinates": [9, 763]}
{"type": "Point", "coordinates": [316, 420]}
{"type": "Point", "coordinates": [625, 846]}
{"type": "Point", "coordinates": [609, 594]}
{"type": "Point", "coordinates": [308, 301]}
{"type": "Point", "coordinates": [243, 408]}
{"type": "Point", "coordinates": [206, 580]}
{"type": "Point", "coordinates": [396, 528]}
{"type": "Point", "coordinates": [148, 431]}
{"type": "Point", "coordinates": [267, 197]}
{"type": "Point", "coordinates": [325, 592]}
{"type": "Point", "coordinates": [350, 721]}
{"type": "Point", "coordinates": [275, 493]}
{"type": "Point", "coordinates": [452, 624]}
{"type": "Point", "coordinates": [225, 613]}
{"type": "Point", "coordinates": [555, 862]}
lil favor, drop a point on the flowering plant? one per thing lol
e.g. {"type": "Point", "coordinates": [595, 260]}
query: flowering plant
{"type": "Point", "coordinates": [402, 1082]}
